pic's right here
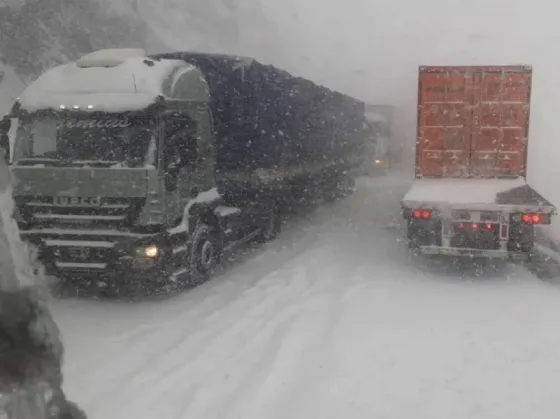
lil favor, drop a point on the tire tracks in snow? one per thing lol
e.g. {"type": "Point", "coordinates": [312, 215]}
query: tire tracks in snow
{"type": "Point", "coordinates": [243, 296]}
{"type": "Point", "coordinates": [308, 327]}
{"type": "Point", "coordinates": [197, 309]}
{"type": "Point", "coordinates": [237, 325]}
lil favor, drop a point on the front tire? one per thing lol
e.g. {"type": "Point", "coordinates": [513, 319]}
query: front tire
{"type": "Point", "coordinates": [205, 253]}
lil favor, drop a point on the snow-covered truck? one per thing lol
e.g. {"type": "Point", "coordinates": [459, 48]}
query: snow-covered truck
{"type": "Point", "coordinates": [470, 196]}
{"type": "Point", "coordinates": [146, 168]}
{"type": "Point", "coordinates": [379, 121]}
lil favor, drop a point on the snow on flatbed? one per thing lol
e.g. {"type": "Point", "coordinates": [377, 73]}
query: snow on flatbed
{"type": "Point", "coordinates": [332, 320]}
{"type": "Point", "coordinates": [477, 193]}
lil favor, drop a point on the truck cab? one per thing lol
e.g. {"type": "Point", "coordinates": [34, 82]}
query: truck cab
{"type": "Point", "coordinates": [378, 121]}
{"type": "Point", "coordinates": [114, 158]}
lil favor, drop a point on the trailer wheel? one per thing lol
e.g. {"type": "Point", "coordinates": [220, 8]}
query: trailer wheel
{"type": "Point", "coordinates": [412, 238]}
{"type": "Point", "coordinates": [271, 225]}
{"type": "Point", "coordinates": [205, 253]}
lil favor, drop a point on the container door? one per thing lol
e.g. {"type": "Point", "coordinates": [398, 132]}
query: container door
{"type": "Point", "coordinates": [445, 119]}
{"type": "Point", "coordinates": [500, 122]}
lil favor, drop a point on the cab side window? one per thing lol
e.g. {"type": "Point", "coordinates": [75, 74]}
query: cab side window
{"type": "Point", "coordinates": [180, 142]}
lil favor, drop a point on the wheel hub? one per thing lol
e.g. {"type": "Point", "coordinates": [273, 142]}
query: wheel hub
{"type": "Point", "coordinates": [207, 254]}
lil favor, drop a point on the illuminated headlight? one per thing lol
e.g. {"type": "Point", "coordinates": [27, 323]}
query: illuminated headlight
{"type": "Point", "coordinates": [62, 106]}
{"type": "Point", "coordinates": [90, 106]}
{"type": "Point", "coordinates": [151, 251]}
{"type": "Point", "coordinates": [377, 161]}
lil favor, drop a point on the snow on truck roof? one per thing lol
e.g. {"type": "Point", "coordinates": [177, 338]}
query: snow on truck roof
{"type": "Point", "coordinates": [114, 80]}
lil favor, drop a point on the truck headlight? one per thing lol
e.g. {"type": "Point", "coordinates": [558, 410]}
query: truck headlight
{"type": "Point", "coordinates": [151, 251]}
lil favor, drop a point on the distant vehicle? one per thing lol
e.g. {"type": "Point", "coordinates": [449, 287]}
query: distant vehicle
{"type": "Point", "coordinates": [379, 125]}
{"type": "Point", "coordinates": [144, 169]}
{"type": "Point", "coordinates": [470, 196]}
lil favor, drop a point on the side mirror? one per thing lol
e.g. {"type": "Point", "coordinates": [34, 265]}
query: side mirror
{"type": "Point", "coordinates": [5, 125]}
{"type": "Point", "coordinates": [5, 146]}
{"type": "Point", "coordinates": [171, 177]}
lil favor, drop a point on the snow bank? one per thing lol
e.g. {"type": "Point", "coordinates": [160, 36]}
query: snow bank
{"type": "Point", "coordinates": [10, 88]}
{"type": "Point", "coordinates": [131, 85]}
{"type": "Point", "coordinates": [460, 191]}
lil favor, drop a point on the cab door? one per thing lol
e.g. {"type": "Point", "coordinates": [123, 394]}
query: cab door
{"type": "Point", "coordinates": [178, 163]}
{"type": "Point", "coordinates": [187, 159]}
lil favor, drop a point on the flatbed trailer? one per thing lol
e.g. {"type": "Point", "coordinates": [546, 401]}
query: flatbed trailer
{"type": "Point", "coordinates": [470, 196]}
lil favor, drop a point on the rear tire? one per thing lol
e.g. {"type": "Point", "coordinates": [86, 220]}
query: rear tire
{"type": "Point", "coordinates": [271, 225]}
{"type": "Point", "coordinates": [205, 253]}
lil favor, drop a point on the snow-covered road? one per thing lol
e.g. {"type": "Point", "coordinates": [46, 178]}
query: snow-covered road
{"type": "Point", "coordinates": [332, 320]}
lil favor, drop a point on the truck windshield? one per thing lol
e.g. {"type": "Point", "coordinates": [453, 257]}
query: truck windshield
{"type": "Point", "coordinates": [101, 141]}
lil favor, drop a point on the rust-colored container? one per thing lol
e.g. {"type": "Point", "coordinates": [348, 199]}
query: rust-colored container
{"type": "Point", "coordinates": [473, 121]}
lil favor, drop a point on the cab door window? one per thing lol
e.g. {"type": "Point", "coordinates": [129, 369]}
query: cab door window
{"type": "Point", "coordinates": [180, 142]}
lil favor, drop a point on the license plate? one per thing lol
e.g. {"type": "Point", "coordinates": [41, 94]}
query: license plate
{"type": "Point", "coordinates": [81, 253]}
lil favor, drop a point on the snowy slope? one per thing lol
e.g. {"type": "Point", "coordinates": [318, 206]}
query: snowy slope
{"type": "Point", "coordinates": [333, 320]}
{"type": "Point", "coordinates": [10, 88]}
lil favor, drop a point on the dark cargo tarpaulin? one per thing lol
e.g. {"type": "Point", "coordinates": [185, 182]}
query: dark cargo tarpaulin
{"type": "Point", "coordinates": [266, 118]}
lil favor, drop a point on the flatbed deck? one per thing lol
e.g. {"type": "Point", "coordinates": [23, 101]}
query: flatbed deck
{"type": "Point", "coordinates": [476, 194]}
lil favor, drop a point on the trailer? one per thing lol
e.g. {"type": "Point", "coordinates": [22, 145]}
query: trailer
{"type": "Point", "coordinates": [470, 196]}
{"type": "Point", "coordinates": [275, 130]}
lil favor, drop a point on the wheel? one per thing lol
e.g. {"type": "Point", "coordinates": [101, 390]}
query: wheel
{"type": "Point", "coordinates": [341, 187]}
{"type": "Point", "coordinates": [411, 237]}
{"type": "Point", "coordinates": [205, 253]}
{"type": "Point", "coordinates": [271, 225]}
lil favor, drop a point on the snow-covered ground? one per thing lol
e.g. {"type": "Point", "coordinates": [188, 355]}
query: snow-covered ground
{"type": "Point", "coordinates": [332, 320]}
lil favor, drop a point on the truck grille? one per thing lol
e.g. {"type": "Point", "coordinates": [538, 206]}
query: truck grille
{"type": "Point", "coordinates": [110, 213]}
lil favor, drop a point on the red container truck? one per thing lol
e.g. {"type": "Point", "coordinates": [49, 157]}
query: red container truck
{"type": "Point", "coordinates": [470, 196]}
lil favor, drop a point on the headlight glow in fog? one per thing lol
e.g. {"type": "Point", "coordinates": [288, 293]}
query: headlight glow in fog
{"type": "Point", "coordinates": [150, 251]}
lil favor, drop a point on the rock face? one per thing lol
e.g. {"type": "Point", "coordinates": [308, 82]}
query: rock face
{"type": "Point", "coordinates": [31, 359]}
{"type": "Point", "coordinates": [38, 34]}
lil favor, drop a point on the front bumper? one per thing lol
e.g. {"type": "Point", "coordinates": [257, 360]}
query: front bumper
{"type": "Point", "coordinates": [114, 259]}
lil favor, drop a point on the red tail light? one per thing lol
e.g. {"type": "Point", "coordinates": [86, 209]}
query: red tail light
{"type": "Point", "coordinates": [422, 214]}
{"type": "Point", "coordinates": [536, 218]}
